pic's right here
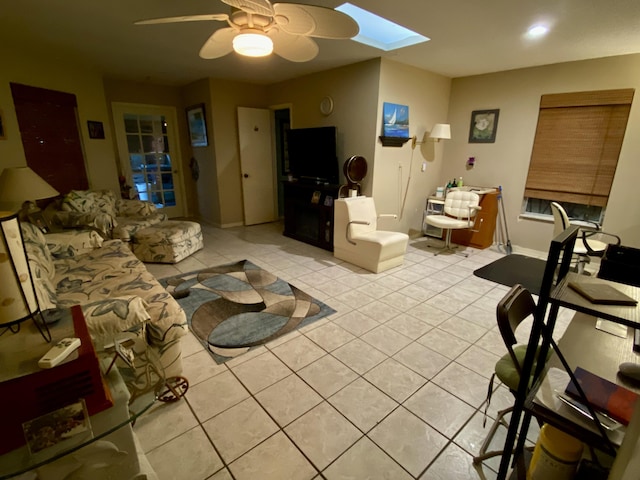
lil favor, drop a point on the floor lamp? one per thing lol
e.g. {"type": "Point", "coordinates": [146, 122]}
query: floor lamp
{"type": "Point", "coordinates": [18, 299]}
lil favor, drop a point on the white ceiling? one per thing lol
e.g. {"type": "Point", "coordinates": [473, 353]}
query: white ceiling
{"type": "Point", "coordinates": [467, 37]}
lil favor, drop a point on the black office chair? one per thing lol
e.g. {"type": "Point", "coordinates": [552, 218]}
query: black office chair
{"type": "Point", "coordinates": [515, 307]}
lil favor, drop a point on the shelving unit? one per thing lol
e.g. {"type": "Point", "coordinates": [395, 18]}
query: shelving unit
{"type": "Point", "coordinates": [308, 212]}
{"type": "Point", "coordinates": [554, 293]}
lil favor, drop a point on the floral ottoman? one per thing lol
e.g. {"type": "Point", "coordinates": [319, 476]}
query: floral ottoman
{"type": "Point", "coordinates": [167, 242]}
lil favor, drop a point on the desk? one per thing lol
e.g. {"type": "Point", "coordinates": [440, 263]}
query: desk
{"type": "Point", "coordinates": [555, 293]}
{"type": "Point", "coordinates": [596, 351]}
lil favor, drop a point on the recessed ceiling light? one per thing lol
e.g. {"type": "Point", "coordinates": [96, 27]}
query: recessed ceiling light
{"type": "Point", "coordinates": [379, 32]}
{"type": "Point", "coordinates": [537, 31]}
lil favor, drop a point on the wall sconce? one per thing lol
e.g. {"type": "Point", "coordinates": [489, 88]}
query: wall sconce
{"type": "Point", "coordinates": [440, 130]}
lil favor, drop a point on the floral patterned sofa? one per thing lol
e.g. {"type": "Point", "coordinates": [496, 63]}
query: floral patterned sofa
{"type": "Point", "coordinates": [117, 294]}
{"type": "Point", "coordinates": [113, 217]}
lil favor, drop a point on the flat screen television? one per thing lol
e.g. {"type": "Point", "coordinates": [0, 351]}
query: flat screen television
{"type": "Point", "coordinates": [312, 154]}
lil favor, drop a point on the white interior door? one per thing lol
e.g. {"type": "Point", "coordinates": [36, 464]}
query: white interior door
{"type": "Point", "coordinates": [149, 152]}
{"type": "Point", "coordinates": [256, 161]}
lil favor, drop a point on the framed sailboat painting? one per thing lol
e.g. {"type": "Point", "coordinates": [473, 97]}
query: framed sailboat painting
{"type": "Point", "coordinates": [395, 120]}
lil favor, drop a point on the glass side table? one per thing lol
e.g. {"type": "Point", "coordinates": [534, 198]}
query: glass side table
{"type": "Point", "coordinates": [104, 425]}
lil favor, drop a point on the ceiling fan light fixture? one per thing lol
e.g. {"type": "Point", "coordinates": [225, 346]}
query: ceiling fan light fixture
{"type": "Point", "coordinates": [253, 43]}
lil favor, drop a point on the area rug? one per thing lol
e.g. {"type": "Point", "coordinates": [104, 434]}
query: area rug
{"type": "Point", "coordinates": [512, 269]}
{"type": "Point", "coordinates": [236, 307]}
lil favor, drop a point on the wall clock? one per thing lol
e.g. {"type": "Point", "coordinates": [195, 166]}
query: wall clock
{"type": "Point", "coordinates": [326, 105]}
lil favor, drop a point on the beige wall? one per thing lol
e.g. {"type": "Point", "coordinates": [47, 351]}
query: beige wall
{"type": "Point", "coordinates": [354, 90]}
{"type": "Point", "coordinates": [427, 95]}
{"type": "Point", "coordinates": [226, 97]}
{"type": "Point", "coordinates": [205, 189]}
{"type": "Point", "coordinates": [157, 95]}
{"type": "Point", "coordinates": [517, 94]}
{"type": "Point", "coordinates": [56, 74]}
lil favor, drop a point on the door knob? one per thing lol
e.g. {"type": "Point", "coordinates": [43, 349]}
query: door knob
{"type": "Point", "coordinates": [246, 175]}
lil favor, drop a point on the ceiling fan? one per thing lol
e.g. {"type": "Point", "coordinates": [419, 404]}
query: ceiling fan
{"type": "Point", "coordinates": [257, 28]}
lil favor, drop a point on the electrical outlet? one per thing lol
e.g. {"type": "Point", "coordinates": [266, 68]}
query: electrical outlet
{"type": "Point", "coordinates": [424, 166]}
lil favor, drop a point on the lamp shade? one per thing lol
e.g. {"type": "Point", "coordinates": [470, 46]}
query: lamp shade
{"type": "Point", "coordinates": [18, 300]}
{"type": "Point", "coordinates": [441, 130]}
{"type": "Point", "coordinates": [253, 43]}
{"type": "Point", "coordinates": [18, 184]}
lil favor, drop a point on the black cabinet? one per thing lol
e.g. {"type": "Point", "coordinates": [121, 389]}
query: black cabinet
{"type": "Point", "coordinates": [308, 212]}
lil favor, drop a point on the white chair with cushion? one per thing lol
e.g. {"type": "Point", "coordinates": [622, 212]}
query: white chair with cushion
{"type": "Point", "coordinates": [593, 242]}
{"type": "Point", "coordinates": [459, 211]}
{"type": "Point", "coordinates": [357, 240]}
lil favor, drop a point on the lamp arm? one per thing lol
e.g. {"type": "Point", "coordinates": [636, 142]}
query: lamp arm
{"type": "Point", "coordinates": [357, 222]}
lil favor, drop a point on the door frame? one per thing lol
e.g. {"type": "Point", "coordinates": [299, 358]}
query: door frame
{"type": "Point", "coordinates": [118, 108]}
{"type": "Point", "coordinates": [279, 176]}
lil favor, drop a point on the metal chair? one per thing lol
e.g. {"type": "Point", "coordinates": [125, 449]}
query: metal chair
{"type": "Point", "coordinates": [515, 307]}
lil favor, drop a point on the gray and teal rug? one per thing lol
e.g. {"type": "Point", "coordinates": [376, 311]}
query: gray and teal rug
{"type": "Point", "coordinates": [236, 307]}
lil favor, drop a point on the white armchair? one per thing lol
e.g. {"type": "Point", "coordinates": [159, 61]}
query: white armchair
{"type": "Point", "coordinates": [357, 240]}
{"type": "Point", "coordinates": [460, 208]}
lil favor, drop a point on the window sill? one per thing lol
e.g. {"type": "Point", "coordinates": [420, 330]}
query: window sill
{"type": "Point", "coordinates": [539, 217]}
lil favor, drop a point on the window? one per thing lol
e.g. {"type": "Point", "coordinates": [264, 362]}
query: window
{"type": "Point", "coordinates": [575, 151]}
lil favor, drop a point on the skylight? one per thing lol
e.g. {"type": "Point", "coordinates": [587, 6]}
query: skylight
{"type": "Point", "coordinates": [379, 32]}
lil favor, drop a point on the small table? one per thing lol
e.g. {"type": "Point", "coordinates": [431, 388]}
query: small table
{"type": "Point", "coordinates": [113, 414]}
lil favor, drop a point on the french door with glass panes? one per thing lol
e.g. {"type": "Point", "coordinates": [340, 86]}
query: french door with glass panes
{"type": "Point", "coordinates": [148, 147]}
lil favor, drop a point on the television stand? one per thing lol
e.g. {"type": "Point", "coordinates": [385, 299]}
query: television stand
{"type": "Point", "coordinates": [308, 212]}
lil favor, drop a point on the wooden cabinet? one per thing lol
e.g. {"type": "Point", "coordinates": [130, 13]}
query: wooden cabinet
{"type": "Point", "coordinates": [308, 213]}
{"type": "Point", "coordinates": [481, 236]}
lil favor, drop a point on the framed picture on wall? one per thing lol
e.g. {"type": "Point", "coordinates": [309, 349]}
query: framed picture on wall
{"type": "Point", "coordinates": [484, 125]}
{"type": "Point", "coordinates": [96, 129]}
{"type": "Point", "coordinates": [197, 123]}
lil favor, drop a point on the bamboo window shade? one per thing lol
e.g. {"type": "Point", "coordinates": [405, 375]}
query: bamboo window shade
{"type": "Point", "coordinates": [577, 144]}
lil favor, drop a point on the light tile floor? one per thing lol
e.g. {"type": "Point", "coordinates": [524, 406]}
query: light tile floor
{"type": "Point", "coordinates": [391, 386]}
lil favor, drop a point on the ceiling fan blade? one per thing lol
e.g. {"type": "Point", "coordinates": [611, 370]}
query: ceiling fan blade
{"type": "Point", "coordinates": [259, 7]}
{"type": "Point", "coordinates": [219, 44]}
{"type": "Point", "coordinates": [314, 21]}
{"type": "Point", "coordinates": [186, 18]}
{"type": "Point", "coordinates": [295, 48]}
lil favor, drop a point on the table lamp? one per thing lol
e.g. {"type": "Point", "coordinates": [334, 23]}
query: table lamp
{"type": "Point", "coordinates": [19, 185]}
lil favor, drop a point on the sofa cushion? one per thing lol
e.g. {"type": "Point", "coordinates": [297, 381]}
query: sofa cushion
{"type": "Point", "coordinates": [87, 201]}
{"type": "Point", "coordinates": [108, 317]}
{"type": "Point", "coordinates": [134, 208]}
{"type": "Point", "coordinates": [167, 242]}
{"type": "Point", "coordinates": [112, 272]}
{"type": "Point", "coordinates": [72, 243]}
{"type": "Point", "coordinates": [128, 226]}
{"type": "Point", "coordinates": [41, 265]}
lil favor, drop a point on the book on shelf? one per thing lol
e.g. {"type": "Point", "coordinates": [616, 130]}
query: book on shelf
{"type": "Point", "coordinates": [614, 400]}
